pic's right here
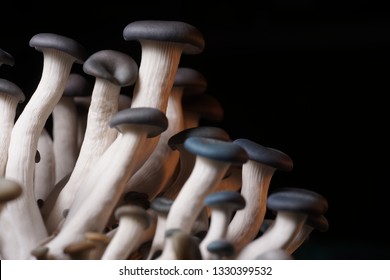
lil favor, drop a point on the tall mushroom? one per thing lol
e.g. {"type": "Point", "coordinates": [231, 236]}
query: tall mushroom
{"type": "Point", "coordinates": [23, 215]}
{"type": "Point", "coordinates": [257, 173]}
{"type": "Point", "coordinates": [162, 45]}
{"type": "Point", "coordinates": [107, 180]}
{"type": "Point", "coordinates": [112, 71]}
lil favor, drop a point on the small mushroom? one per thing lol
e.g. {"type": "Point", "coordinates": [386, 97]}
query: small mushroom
{"type": "Point", "coordinates": [220, 249]}
{"type": "Point", "coordinates": [133, 220]}
{"type": "Point", "coordinates": [293, 206]}
{"type": "Point", "coordinates": [9, 190]}
{"type": "Point", "coordinates": [257, 173]}
{"type": "Point", "coordinates": [59, 55]}
{"type": "Point", "coordinates": [6, 58]}
{"type": "Point", "coordinates": [80, 250]}
{"type": "Point", "coordinates": [223, 205]}
{"type": "Point", "coordinates": [99, 241]}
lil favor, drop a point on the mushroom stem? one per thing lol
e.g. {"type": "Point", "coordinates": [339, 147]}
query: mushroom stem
{"type": "Point", "coordinates": [60, 53]}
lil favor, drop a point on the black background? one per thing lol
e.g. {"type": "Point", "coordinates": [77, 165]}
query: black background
{"type": "Point", "coordinates": [309, 78]}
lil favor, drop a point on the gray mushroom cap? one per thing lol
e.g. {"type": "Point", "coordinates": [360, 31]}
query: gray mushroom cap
{"type": "Point", "coordinates": [114, 66]}
{"type": "Point", "coordinates": [229, 200]}
{"type": "Point", "coordinates": [216, 149]}
{"type": "Point", "coordinates": [202, 131]}
{"type": "Point", "coordinates": [154, 120]}
{"type": "Point", "coordinates": [191, 80]}
{"type": "Point", "coordinates": [65, 44]}
{"type": "Point", "coordinates": [9, 190]}
{"type": "Point", "coordinates": [136, 212]}
{"type": "Point", "coordinates": [297, 200]}
{"type": "Point", "coordinates": [12, 89]}
{"type": "Point", "coordinates": [170, 31]}
{"type": "Point", "coordinates": [77, 85]}
{"type": "Point", "coordinates": [6, 58]}
{"type": "Point", "coordinates": [266, 155]}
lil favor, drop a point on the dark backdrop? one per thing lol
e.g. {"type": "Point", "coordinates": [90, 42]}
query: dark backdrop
{"type": "Point", "coordinates": [309, 78]}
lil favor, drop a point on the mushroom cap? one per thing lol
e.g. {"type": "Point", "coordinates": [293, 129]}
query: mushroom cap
{"type": "Point", "coordinates": [230, 200]}
{"type": "Point", "coordinates": [221, 247]}
{"type": "Point", "coordinates": [186, 246]}
{"type": "Point", "coordinates": [99, 237]}
{"type": "Point", "coordinates": [297, 200]}
{"type": "Point", "coordinates": [135, 212]}
{"type": "Point", "coordinates": [192, 81]}
{"type": "Point", "coordinates": [65, 44]}
{"type": "Point", "coordinates": [10, 88]}
{"type": "Point", "coordinates": [9, 190]}
{"type": "Point", "coordinates": [202, 131]}
{"type": "Point", "coordinates": [206, 106]}
{"type": "Point", "coordinates": [154, 120]}
{"type": "Point", "coordinates": [114, 66]}
{"type": "Point", "coordinates": [266, 155]}
{"type": "Point", "coordinates": [6, 58]}
{"type": "Point", "coordinates": [77, 85]}
{"type": "Point", "coordinates": [161, 205]}
{"type": "Point", "coordinates": [137, 198]}
{"type": "Point", "coordinates": [79, 247]}
{"type": "Point", "coordinates": [171, 31]}
{"type": "Point", "coordinates": [124, 102]}
{"type": "Point", "coordinates": [216, 149]}
{"type": "Point", "coordinates": [40, 252]}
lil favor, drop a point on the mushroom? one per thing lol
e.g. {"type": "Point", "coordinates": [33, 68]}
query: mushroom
{"type": "Point", "coordinates": [257, 173]}
{"type": "Point", "coordinates": [112, 71]}
{"type": "Point", "coordinates": [293, 206]}
{"type": "Point", "coordinates": [220, 249]}
{"type": "Point", "coordinates": [162, 45]}
{"type": "Point", "coordinates": [213, 158]}
{"type": "Point", "coordinates": [187, 159]}
{"type": "Point", "coordinates": [223, 205]}
{"type": "Point", "coordinates": [99, 241]}
{"type": "Point", "coordinates": [10, 96]}
{"type": "Point", "coordinates": [161, 206]}
{"type": "Point", "coordinates": [80, 250]}
{"type": "Point", "coordinates": [59, 55]}
{"type": "Point", "coordinates": [107, 181]}
{"type": "Point", "coordinates": [133, 221]}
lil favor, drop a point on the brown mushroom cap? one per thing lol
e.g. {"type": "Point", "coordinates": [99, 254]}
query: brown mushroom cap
{"type": "Point", "coordinates": [170, 31]}
{"type": "Point", "coordinates": [42, 41]}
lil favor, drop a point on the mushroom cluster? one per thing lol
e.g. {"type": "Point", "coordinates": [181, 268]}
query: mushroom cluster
{"type": "Point", "coordinates": [137, 176]}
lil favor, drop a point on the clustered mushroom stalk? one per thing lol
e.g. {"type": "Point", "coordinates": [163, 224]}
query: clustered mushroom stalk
{"type": "Point", "coordinates": [118, 176]}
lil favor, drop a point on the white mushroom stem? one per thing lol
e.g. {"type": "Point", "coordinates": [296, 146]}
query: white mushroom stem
{"type": "Point", "coordinates": [44, 174]}
{"type": "Point", "coordinates": [24, 213]}
{"type": "Point", "coordinates": [64, 122]}
{"type": "Point", "coordinates": [161, 164]}
{"type": "Point", "coordinates": [98, 136]}
{"type": "Point", "coordinates": [10, 96]}
{"type": "Point", "coordinates": [132, 223]}
{"type": "Point", "coordinates": [287, 224]}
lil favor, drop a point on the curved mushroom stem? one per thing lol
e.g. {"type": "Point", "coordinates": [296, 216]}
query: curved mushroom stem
{"type": "Point", "coordinates": [59, 53]}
